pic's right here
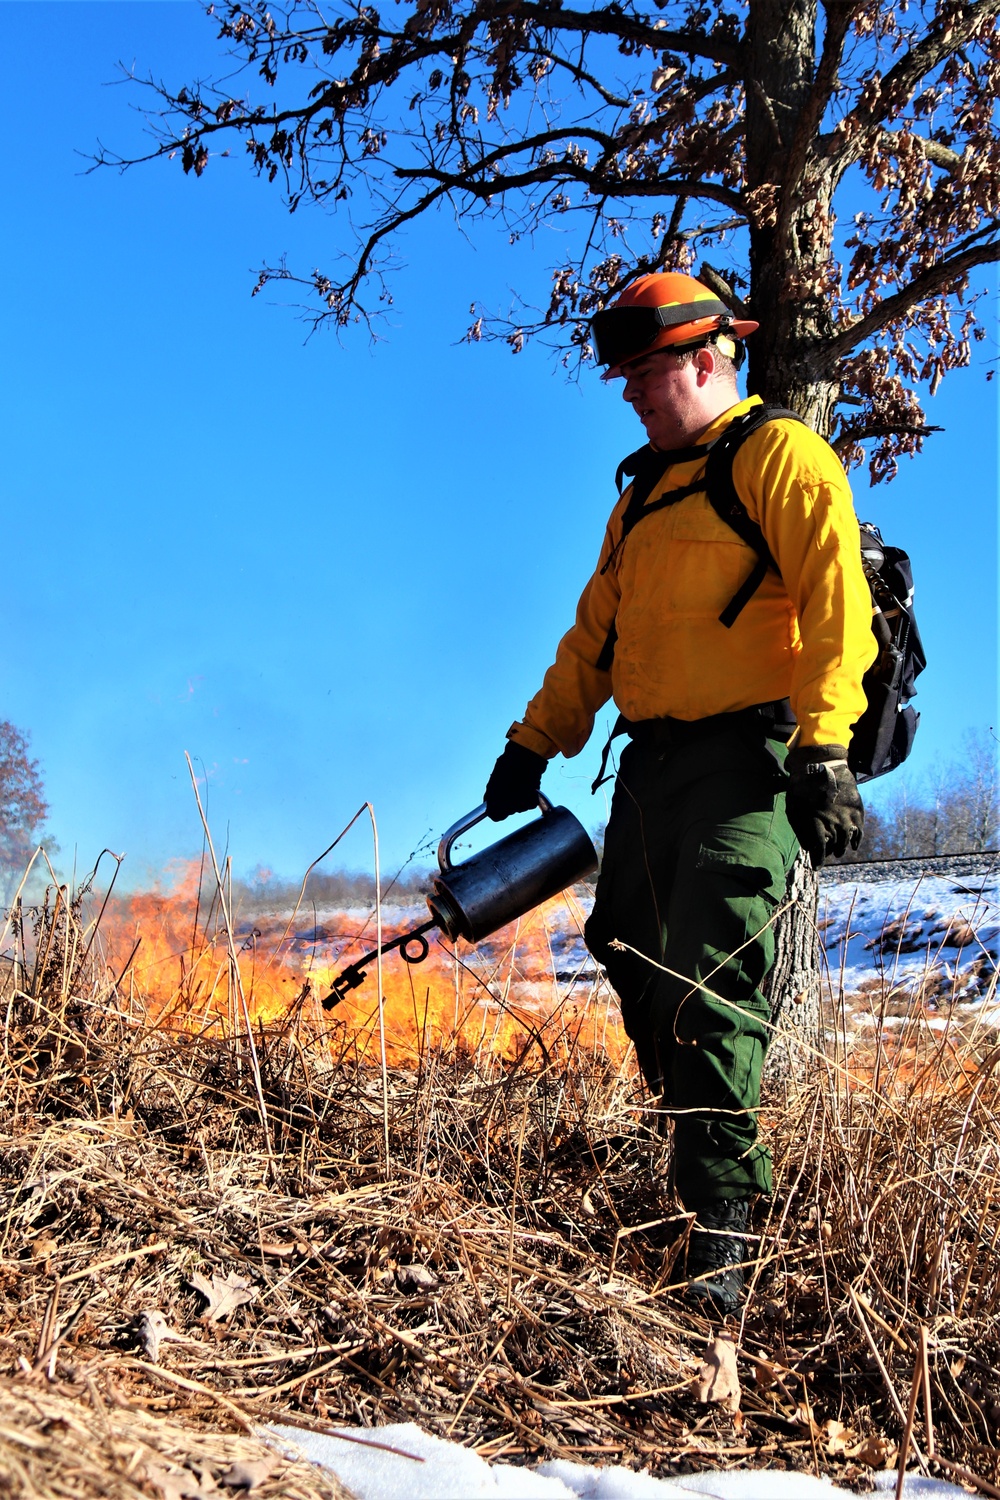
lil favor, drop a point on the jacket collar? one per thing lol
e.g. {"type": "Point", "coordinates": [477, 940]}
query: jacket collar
{"type": "Point", "coordinates": [717, 427]}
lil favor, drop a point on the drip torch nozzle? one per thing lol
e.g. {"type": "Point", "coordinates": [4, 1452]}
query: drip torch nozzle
{"type": "Point", "coordinates": [349, 979]}
{"type": "Point", "coordinates": [346, 981]}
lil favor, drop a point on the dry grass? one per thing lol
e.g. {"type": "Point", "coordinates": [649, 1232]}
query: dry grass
{"type": "Point", "coordinates": [52, 1446]}
{"type": "Point", "coordinates": [504, 1277]}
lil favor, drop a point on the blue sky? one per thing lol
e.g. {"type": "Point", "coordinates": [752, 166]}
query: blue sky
{"type": "Point", "coordinates": [330, 573]}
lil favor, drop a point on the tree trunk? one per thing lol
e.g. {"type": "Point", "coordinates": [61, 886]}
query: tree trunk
{"type": "Point", "coordinates": [790, 251]}
{"type": "Point", "coordinates": [791, 233]}
{"type": "Point", "coordinates": [793, 985]}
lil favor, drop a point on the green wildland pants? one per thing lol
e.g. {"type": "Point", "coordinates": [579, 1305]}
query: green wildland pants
{"type": "Point", "coordinates": [696, 859]}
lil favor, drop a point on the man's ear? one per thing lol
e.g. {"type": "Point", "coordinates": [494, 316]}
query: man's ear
{"type": "Point", "coordinates": [704, 362]}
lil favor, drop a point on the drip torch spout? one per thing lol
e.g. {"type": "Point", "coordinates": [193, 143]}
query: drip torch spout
{"type": "Point", "coordinates": [413, 949]}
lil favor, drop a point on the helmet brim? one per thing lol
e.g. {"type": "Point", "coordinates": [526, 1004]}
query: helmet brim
{"type": "Point", "coordinates": [625, 333]}
{"type": "Point", "coordinates": [686, 336]}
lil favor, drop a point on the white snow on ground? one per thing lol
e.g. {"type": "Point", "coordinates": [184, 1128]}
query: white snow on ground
{"type": "Point", "coordinates": [906, 929]}
{"type": "Point", "coordinates": [450, 1472]}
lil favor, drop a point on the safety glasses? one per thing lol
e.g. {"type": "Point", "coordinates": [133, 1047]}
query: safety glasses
{"type": "Point", "coordinates": [621, 333]}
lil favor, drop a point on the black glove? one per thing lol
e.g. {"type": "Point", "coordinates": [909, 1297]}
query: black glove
{"type": "Point", "coordinates": [823, 803]}
{"type": "Point", "coordinates": [514, 782]}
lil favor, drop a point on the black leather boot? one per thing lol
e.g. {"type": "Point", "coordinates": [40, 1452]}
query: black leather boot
{"type": "Point", "coordinates": [716, 1247]}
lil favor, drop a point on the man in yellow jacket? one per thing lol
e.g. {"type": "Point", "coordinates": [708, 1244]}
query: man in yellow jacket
{"type": "Point", "coordinates": [710, 803]}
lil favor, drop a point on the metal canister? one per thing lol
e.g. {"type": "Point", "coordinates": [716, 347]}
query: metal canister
{"type": "Point", "coordinates": [473, 899]}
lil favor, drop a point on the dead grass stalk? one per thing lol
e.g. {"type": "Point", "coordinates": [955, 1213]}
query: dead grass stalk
{"type": "Point", "coordinates": [486, 1247]}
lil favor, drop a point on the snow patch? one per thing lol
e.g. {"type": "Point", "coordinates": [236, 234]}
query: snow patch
{"type": "Point", "coordinates": [901, 931]}
{"type": "Point", "coordinates": [385, 1464]}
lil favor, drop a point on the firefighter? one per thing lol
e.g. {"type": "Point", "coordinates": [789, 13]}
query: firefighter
{"type": "Point", "coordinates": [737, 736]}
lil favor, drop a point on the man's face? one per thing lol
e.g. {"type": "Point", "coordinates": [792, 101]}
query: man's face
{"type": "Point", "coordinates": [667, 393]}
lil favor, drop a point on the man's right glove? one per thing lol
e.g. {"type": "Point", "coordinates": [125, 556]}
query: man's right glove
{"type": "Point", "coordinates": [822, 801]}
{"type": "Point", "coordinates": [514, 782]}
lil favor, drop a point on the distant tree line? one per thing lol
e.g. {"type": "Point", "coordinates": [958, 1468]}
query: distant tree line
{"type": "Point", "coordinates": [339, 889]}
{"type": "Point", "coordinates": [955, 810]}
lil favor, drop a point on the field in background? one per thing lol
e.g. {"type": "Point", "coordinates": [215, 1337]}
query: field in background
{"type": "Point", "coordinates": [226, 1205]}
{"type": "Point", "coordinates": [899, 942]}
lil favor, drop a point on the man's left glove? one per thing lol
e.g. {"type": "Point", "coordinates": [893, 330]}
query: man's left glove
{"type": "Point", "coordinates": [514, 782]}
{"type": "Point", "coordinates": [823, 802]}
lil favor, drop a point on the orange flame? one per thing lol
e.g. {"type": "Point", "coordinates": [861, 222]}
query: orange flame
{"type": "Point", "coordinates": [171, 953]}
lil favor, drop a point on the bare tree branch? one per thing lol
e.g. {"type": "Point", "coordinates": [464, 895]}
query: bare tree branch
{"type": "Point", "coordinates": [849, 435]}
{"type": "Point", "coordinates": [941, 156]}
{"type": "Point", "coordinates": [565, 171]}
{"type": "Point", "coordinates": [612, 20]}
{"type": "Point", "coordinates": [720, 286]}
{"type": "Point", "coordinates": [647, 142]}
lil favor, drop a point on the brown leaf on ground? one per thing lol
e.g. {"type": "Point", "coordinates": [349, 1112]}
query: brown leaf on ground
{"type": "Point", "coordinates": [837, 1438]}
{"type": "Point", "coordinates": [277, 1249]}
{"type": "Point", "coordinates": [248, 1474]}
{"type": "Point", "coordinates": [224, 1294]}
{"type": "Point", "coordinates": [718, 1381]}
{"type": "Point", "coordinates": [873, 1452]}
{"type": "Point", "coordinates": [154, 1330]}
{"type": "Point", "coordinates": [803, 1416]}
{"type": "Point", "coordinates": [416, 1278]}
{"type": "Point", "coordinates": [177, 1483]}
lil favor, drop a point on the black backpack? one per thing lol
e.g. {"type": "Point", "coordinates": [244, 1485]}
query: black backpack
{"type": "Point", "coordinates": [883, 736]}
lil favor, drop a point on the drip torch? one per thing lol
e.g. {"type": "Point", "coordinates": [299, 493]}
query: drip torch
{"type": "Point", "coordinates": [473, 899]}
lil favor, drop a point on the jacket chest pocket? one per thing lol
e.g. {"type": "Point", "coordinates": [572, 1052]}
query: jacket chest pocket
{"type": "Point", "coordinates": [683, 560]}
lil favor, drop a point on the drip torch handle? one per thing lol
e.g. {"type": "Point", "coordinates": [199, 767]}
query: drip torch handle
{"type": "Point", "coordinates": [463, 825]}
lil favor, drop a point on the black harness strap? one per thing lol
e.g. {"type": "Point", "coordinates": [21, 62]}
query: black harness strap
{"type": "Point", "coordinates": [648, 466]}
{"type": "Point", "coordinates": [648, 459]}
{"type": "Point", "coordinates": [631, 518]}
{"type": "Point", "coordinates": [607, 653]}
{"type": "Point", "coordinates": [645, 467]}
{"type": "Point", "coordinates": [620, 726]}
{"type": "Point", "coordinates": [721, 491]}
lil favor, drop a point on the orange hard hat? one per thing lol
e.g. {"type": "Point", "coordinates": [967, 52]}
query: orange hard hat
{"type": "Point", "coordinates": [662, 311]}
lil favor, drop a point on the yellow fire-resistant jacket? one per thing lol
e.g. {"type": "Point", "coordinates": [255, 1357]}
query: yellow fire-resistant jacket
{"type": "Point", "coordinates": [805, 635]}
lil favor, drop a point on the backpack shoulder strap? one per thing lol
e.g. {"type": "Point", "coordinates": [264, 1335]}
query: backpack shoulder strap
{"type": "Point", "coordinates": [728, 506]}
{"type": "Point", "coordinates": [645, 468]}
